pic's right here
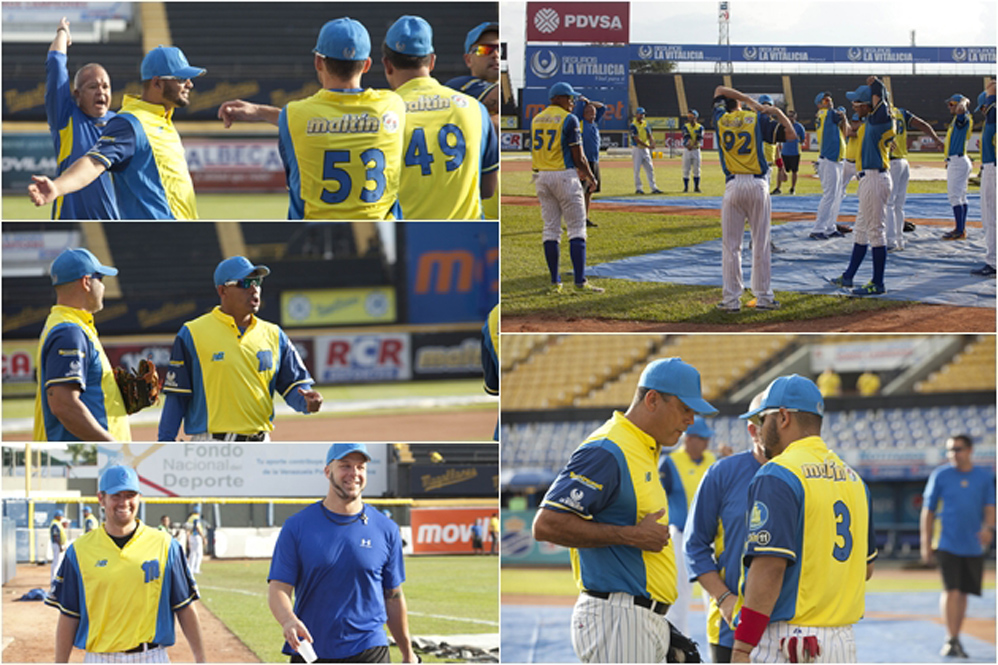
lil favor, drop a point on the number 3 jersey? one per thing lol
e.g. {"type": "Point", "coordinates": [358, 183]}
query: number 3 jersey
{"type": "Point", "coordinates": [342, 154]}
{"type": "Point", "coordinates": [123, 596]}
{"type": "Point", "coordinates": [806, 505]}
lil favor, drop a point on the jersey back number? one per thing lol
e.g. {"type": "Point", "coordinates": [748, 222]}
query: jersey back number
{"type": "Point", "coordinates": [373, 160]}
{"type": "Point", "coordinates": [842, 523]}
{"type": "Point", "coordinates": [450, 142]}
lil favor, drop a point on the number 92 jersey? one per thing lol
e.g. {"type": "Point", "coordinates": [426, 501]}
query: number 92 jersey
{"type": "Point", "coordinates": [740, 135]}
{"type": "Point", "coordinates": [342, 153]}
{"type": "Point", "coordinates": [808, 506]}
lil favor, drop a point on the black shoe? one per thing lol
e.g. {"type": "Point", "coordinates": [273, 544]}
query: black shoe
{"type": "Point", "coordinates": [791, 191]}
{"type": "Point", "coordinates": [686, 191]}
{"type": "Point", "coordinates": [953, 649]}
{"type": "Point", "coordinates": [697, 191]}
{"type": "Point", "coordinates": [843, 229]}
{"type": "Point", "coordinates": [591, 224]}
{"type": "Point", "coordinates": [657, 191]}
{"type": "Point", "coordinates": [909, 227]}
{"type": "Point", "coordinates": [985, 271]}
{"type": "Point", "coordinates": [775, 192]}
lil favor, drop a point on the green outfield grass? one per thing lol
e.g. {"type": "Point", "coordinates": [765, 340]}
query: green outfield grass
{"type": "Point", "coordinates": [240, 206]}
{"type": "Point", "coordinates": [441, 593]}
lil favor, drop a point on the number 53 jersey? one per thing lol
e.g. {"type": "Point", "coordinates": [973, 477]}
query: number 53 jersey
{"type": "Point", "coordinates": [342, 154]}
{"type": "Point", "coordinates": [123, 596]}
{"type": "Point", "coordinates": [806, 505]}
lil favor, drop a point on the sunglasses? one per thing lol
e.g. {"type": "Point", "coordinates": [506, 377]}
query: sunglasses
{"type": "Point", "coordinates": [758, 418]}
{"type": "Point", "coordinates": [99, 277]}
{"type": "Point", "coordinates": [956, 449]}
{"type": "Point", "coordinates": [484, 49]}
{"type": "Point", "coordinates": [245, 282]}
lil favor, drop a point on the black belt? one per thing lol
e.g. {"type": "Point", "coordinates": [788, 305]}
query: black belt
{"type": "Point", "coordinates": [863, 172]}
{"type": "Point", "coordinates": [754, 175]}
{"type": "Point", "coordinates": [229, 436]}
{"type": "Point", "coordinates": [655, 606]}
{"type": "Point", "coordinates": [145, 646]}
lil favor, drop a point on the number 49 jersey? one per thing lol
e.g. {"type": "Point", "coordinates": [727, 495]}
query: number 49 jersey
{"type": "Point", "coordinates": [808, 506]}
{"type": "Point", "coordinates": [342, 153]}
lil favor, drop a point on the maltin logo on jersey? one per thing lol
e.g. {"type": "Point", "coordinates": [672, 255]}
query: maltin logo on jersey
{"type": "Point", "coordinates": [390, 121]}
{"type": "Point", "coordinates": [759, 517]}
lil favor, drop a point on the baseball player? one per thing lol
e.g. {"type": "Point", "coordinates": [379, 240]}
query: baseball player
{"type": "Point", "coordinates": [958, 164]}
{"type": "Point", "coordinates": [589, 114]}
{"type": "Point", "coordinates": [872, 103]}
{"type": "Point", "coordinates": [741, 133]}
{"type": "Point", "coordinates": [790, 152]}
{"type": "Point", "coordinates": [226, 364]}
{"type": "Point", "coordinates": [714, 536]}
{"type": "Point", "coordinates": [853, 145]}
{"type": "Point", "coordinates": [692, 138]}
{"type": "Point", "coordinates": [59, 540]}
{"type": "Point", "coordinates": [829, 129]}
{"type": "Point", "coordinates": [903, 119]}
{"type": "Point", "coordinates": [609, 507]}
{"type": "Point", "coordinates": [76, 118]}
{"type": "Point", "coordinates": [986, 105]}
{"type": "Point", "coordinates": [810, 544]}
{"type": "Point", "coordinates": [490, 357]}
{"type": "Point", "coordinates": [344, 565]}
{"type": "Point", "coordinates": [120, 585]}
{"type": "Point", "coordinates": [642, 143]}
{"type": "Point", "coordinates": [559, 165]}
{"type": "Point", "coordinates": [140, 146]}
{"type": "Point", "coordinates": [89, 521]}
{"type": "Point", "coordinates": [195, 547]}
{"type": "Point", "coordinates": [451, 147]}
{"type": "Point", "coordinates": [77, 397]}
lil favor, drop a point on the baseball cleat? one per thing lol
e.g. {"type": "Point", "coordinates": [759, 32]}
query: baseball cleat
{"type": "Point", "coordinates": [554, 289]}
{"type": "Point", "coordinates": [870, 289]}
{"type": "Point", "coordinates": [591, 225]}
{"type": "Point", "coordinates": [697, 191]}
{"type": "Point", "coordinates": [841, 282]}
{"type": "Point", "coordinates": [791, 191]}
{"type": "Point", "coordinates": [909, 227]}
{"type": "Point", "coordinates": [732, 309]}
{"type": "Point", "coordinates": [836, 234]}
{"type": "Point", "coordinates": [896, 247]}
{"type": "Point", "coordinates": [816, 235]}
{"type": "Point", "coordinates": [586, 287]}
{"type": "Point", "coordinates": [843, 229]}
{"type": "Point", "coordinates": [984, 271]}
{"type": "Point", "coordinates": [775, 192]}
{"type": "Point", "coordinates": [953, 649]}
{"type": "Point", "coordinates": [763, 306]}
{"type": "Point", "coordinates": [639, 192]}
{"type": "Point", "coordinates": [657, 191]}
{"type": "Point", "coordinates": [955, 235]}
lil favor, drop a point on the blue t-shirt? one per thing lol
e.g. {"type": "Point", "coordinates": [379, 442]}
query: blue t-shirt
{"type": "Point", "coordinates": [988, 134]}
{"type": "Point", "coordinates": [673, 484]}
{"type": "Point", "coordinates": [82, 367]}
{"type": "Point", "coordinates": [590, 131]}
{"type": "Point", "coordinates": [963, 495]}
{"type": "Point", "coordinates": [793, 147]}
{"type": "Point", "coordinates": [340, 567]}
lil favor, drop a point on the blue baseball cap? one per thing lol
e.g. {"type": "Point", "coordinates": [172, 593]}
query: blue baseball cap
{"type": "Point", "coordinates": [341, 450]}
{"type": "Point", "coordinates": [700, 428]}
{"type": "Point", "coordinates": [86, 510]}
{"type": "Point", "coordinates": [562, 88]}
{"type": "Point", "coordinates": [957, 98]}
{"type": "Point", "coordinates": [168, 61]}
{"type": "Point", "coordinates": [674, 377]}
{"type": "Point", "coordinates": [640, 110]}
{"type": "Point", "coordinates": [790, 392]}
{"type": "Point", "coordinates": [821, 97]}
{"type": "Point", "coordinates": [696, 114]}
{"type": "Point", "coordinates": [343, 39]}
{"type": "Point", "coordinates": [476, 33]}
{"type": "Point", "coordinates": [57, 513]}
{"type": "Point", "coordinates": [238, 267]}
{"type": "Point", "coordinates": [119, 479]}
{"type": "Point", "coordinates": [765, 99]}
{"type": "Point", "coordinates": [74, 263]}
{"type": "Point", "coordinates": [981, 100]}
{"type": "Point", "coordinates": [410, 35]}
{"type": "Point", "coordinates": [863, 94]}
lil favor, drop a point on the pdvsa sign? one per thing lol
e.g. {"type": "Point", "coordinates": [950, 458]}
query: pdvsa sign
{"type": "Point", "coordinates": [578, 22]}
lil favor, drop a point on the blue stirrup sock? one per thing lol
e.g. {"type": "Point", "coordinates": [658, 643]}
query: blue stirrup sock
{"type": "Point", "coordinates": [858, 253]}
{"type": "Point", "coordinates": [696, 183]}
{"type": "Point", "coordinates": [551, 256]}
{"type": "Point", "coordinates": [879, 263]}
{"type": "Point", "coordinates": [577, 251]}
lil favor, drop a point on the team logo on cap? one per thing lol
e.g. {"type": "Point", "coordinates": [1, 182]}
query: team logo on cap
{"type": "Point", "coordinates": [349, 52]}
{"type": "Point", "coordinates": [544, 63]}
{"type": "Point", "coordinates": [547, 20]}
{"type": "Point", "coordinates": [855, 53]}
{"type": "Point", "coordinates": [390, 121]}
{"type": "Point", "coordinates": [400, 46]}
{"type": "Point", "coordinates": [645, 51]}
{"type": "Point", "coordinates": [750, 52]}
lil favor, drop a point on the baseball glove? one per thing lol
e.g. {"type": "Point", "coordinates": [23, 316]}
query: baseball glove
{"type": "Point", "coordinates": [681, 648]}
{"type": "Point", "coordinates": [139, 388]}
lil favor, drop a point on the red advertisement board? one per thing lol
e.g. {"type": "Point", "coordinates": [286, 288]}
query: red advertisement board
{"type": "Point", "coordinates": [448, 530]}
{"type": "Point", "coordinates": [592, 22]}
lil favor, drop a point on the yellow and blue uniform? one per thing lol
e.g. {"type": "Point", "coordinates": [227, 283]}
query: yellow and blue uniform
{"type": "Point", "coordinates": [641, 131]}
{"type": "Point", "coordinates": [963, 495]}
{"type": "Point", "coordinates": [57, 532]}
{"type": "Point", "coordinates": [553, 132]}
{"type": "Point", "coordinates": [807, 506]}
{"type": "Point", "coordinates": [674, 491]}
{"type": "Point", "coordinates": [691, 471]}
{"type": "Point", "coordinates": [902, 121]}
{"type": "Point", "coordinates": [988, 133]}
{"type": "Point", "coordinates": [142, 149]}
{"type": "Point", "coordinates": [222, 379]}
{"type": "Point", "coordinates": [715, 532]}
{"type": "Point", "coordinates": [612, 478]}
{"type": "Point", "coordinates": [829, 134]}
{"type": "Point", "coordinates": [958, 134]}
{"type": "Point", "coordinates": [69, 351]}
{"type": "Point", "coordinates": [89, 523]}
{"type": "Point", "coordinates": [73, 133]}
{"type": "Point", "coordinates": [124, 596]}
{"type": "Point", "coordinates": [490, 356]}
{"type": "Point", "coordinates": [342, 154]}
{"type": "Point", "coordinates": [876, 132]}
{"type": "Point", "coordinates": [692, 135]}
{"type": "Point", "coordinates": [741, 135]}
{"type": "Point", "coordinates": [450, 144]}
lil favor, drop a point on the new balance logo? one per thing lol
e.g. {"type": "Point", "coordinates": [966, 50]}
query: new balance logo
{"type": "Point", "coordinates": [101, 563]}
{"type": "Point", "coordinates": [218, 356]}
{"type": "Point", "coordinates": [365, 542]}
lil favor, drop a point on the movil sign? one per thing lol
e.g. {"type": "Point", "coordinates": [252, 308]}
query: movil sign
{"type": "Point", "coordinates": [569, 21]}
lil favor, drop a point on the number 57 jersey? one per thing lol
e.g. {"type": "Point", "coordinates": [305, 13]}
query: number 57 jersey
{"type": "Point", "coordinates": [808, 506]}
{"type": "Point", "coordinates": [342, 154]}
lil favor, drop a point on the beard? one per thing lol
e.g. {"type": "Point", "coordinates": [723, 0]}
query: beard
{"type": "Point", "coordinates": [173, 95]}
{"type": "Point", "coordinates": [347, 494]}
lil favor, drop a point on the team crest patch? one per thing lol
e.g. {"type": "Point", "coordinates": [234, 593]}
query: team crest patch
{"type": "Point", "coordinates": [459, 100]}
{"type": "Point", "coordinates": [759, 517]}
{"type": "Point", "coordinates": [390, 122]}
{"type": "Point", "coordinates": [218, 356]}
{"type": "Point", "coordinates": [574, 499]}
{"type": "Point", "coordinates": [171, 379]}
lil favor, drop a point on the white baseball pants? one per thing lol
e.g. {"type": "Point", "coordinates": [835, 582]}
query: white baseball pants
{"type": "Point", "coordinates": [57, 556]}
{"type": "Point", "coordinates": [684, 588]}
{"type": "Point", "coordinates": [691, 162]}
{"type": "Point", "coordinates": [616, 630]}
{"type": "Point", "coordinates": [871, 221]}
{"type": "Point", "coordinates": [196, 553]}
{"type": "Point", "coordinates": [837, 643]}
{"type": "Point", "coordinates": [746, 198]}
{"type": "Point", "coordinates": [642, 160]}
{"type": "Point", "coordinates": [830, 174]}
{"type": "Point", "coordinates": [900, 173]}
{"type": "Point", "coordinates": [561, 196]}
{"type": "Point", "coordinates": [848, 173]}
{"type": "Point", "coordinates": [957, 175]}
{"type": "Point", "coordinates": [157, 655]}
{"type": "Point", "coordinates": [988, 211]}
{"type": "Point", "coordinates": [208, 436]}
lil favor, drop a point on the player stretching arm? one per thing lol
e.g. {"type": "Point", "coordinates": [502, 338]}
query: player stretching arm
{"type": "Point", "coordinates": [778, 115]}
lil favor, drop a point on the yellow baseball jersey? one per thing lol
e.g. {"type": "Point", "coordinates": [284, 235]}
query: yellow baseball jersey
{"type": "Point", "coordinates": [769, 150]}
{"type": "Point", "coordinates": [449, 144]}
{"type": "Point", "coordinates": [69, 351]}
{"type": "Point", "coordinates": [57, 532]}
{"type": "Point", "coordinates": [899, 145]}
{"type": "Point", "coordinates": [853, 145]}
{"type": "Point", "coordinates": [612, 478]}
{"type": "Point", "coordinates": [490, 206]}
{"type": "Point", "coordinates": [692, 134]}
{"type": "Point", "coordinates": [741, 136]}
{"type": "Point", "coordinates": [808, 506]}
{"type": "Point", "coordinates": [832, 144]}
{"type": "Point", "coordinates": [691, 472]}
{"type": "Point", "coordinates": [641, 130]}
{"type": "Point", "coordinates": [342, 154]}
{"type": "Point", "coordinates": [553, 132]}
{"type": "Point", "coordinates": [90, 523]}
{"type": "Point", "coordinates": [123, 596]}
{"type": "Point", "coordinates": [958, 134]}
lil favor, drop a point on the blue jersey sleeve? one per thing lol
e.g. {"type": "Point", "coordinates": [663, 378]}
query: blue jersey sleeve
{"type": "Point", "coordinates": [579, 107]}
{"type": "Point", "coordinates": [65, 356]}
{"type": "Point", "coordinates": [286, 149]}
{"type": "Point", "coordinates": [182, 587]}
{"type": "Point", "coordinates": [930, 496]}
{"type": "Point", "coordinates": [490, 364]}
{"type": "Point", "coordinates": [292, 374]}
{"type": "Point", "coordinates": [571, 135]}
{"type": "Point", "coordinates": [701, 526]}
{"type": "Point", "coordinates": [587, 485]}
{"type": "Point", "coordinates": [115, 147]}
{"type": "Point", "coordinates": [64, 594]}
{"type": "Point", "coordinates": [776, 499]}
{"type": "Point", "coordinates": [58, 96]}
{"type": "Point", "coordinates": [961, 120]}
{"type": "Point", "coordinates": [600, 111]}
{"type": "Point", "coordinates": [490, 143]}
{"type": "Point", "coordinates": [674, 491]}
{"type": "Point", "coordinates": [882, 113]}
{"type": "Point", "coordinates": [634, 130]}
{"type": "Point", "coordinates": [178, 375]}
{"type": "Point", "coordinates": [393, 572]}
{"type": "Point", "coordinates": [54, 533]}
{"type": "Point", "coordinates": [769, 129]}
{"type": "Point", "coordinates": [285, 565]}
{"type": "Point", "coordinates": [686, 133]}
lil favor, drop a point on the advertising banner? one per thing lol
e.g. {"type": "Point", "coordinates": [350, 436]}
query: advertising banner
{"type": "Point", "coordinates": [228, 165]}
{"type": "Point", "coordinates": [19, 367]}
{"type": "Point", "coordinates": [447, 355]}
{"type": "Point", "coordinates": [432, 480]}
{"type": "Point", "coordinates": [874, 356]}
{"type": "Point", "coordinates": [813, 54]}
{"type": "Point", "coordinates": [359, 358]}
{"type": "Point", "coordinates": [338, 307]}
{"type": "Point", "coordinates": [237, 470]}
{"type": "Point", "coordinates": [452, 271]}
{"type": "Point", "coordinates": [590, 66]}
{"type": "Point", "coordinates": [25, 155]}
{"type": "Point", "coordinates": [519, 546]}
{"type": "Point", "coordinates": [30, 253]}
{"type": "Point", "coordinates": [535, 100]}
{"type": "Point", "coordinates": [513, 141]}
{"type": "Point", "coordinates": [592, 22]}
{"type": "Point", "coordinates": [448, 530]}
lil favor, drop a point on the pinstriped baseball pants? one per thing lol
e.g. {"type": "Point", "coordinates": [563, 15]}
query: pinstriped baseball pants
{"type": "Point", "coordinates": [837, 643]}
{"type": "Point", "coordinates": [988, 211]}
{"type": "Point", "coordinates": [871, 220]}
{"type": "Point", "coordinates": [616, 630]}
{"type": "Point", "coordinates": [157, 655]}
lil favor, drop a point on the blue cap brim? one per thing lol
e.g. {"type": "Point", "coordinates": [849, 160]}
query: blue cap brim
{"type": "Point", "coordinates": [107, 271]}
{"type": "Point", "coordinates": [699, 405]}
{"type": "Point", "coordinates": [190, 73]}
